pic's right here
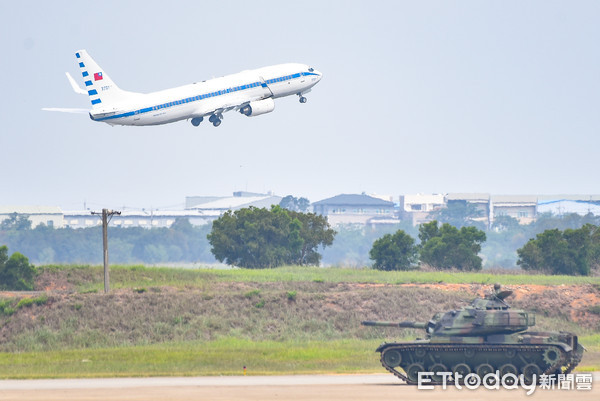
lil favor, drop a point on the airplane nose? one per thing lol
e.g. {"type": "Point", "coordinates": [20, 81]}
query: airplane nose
{"type": "Point", "coordinates": [319, 75]}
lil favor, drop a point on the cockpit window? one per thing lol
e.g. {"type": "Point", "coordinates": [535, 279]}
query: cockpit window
{"type": "Point", "coordinates": [311, 69]}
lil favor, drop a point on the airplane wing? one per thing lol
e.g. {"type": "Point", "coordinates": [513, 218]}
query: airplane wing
{"type": "Point", "coordinates": [223, 109]}
{"type": "Point", "coordinates": [66, 110]}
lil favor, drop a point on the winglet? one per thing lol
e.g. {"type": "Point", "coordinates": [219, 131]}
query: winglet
{"type": "Point", "coordinates": [74, 85]}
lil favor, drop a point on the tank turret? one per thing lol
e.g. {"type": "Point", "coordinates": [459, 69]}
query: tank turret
{"type": "Point", "coordinates": [482, 337]}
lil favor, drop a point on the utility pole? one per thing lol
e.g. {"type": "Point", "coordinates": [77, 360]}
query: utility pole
{"type": "Point", "coordinates": [105, 215]}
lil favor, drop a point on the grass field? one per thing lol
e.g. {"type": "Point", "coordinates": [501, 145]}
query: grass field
{"type": "Point", "coordinates": [89, 278]}
{"type": "Point", "coordinates": [220, 357]}
{"type": "Point", "coordinates": [291, 320]}
{"type": "Point", "coordinates": [214, 358]}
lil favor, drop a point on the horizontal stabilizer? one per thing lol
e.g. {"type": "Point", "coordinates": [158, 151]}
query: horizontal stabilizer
{"type": "Point", "coordinates": [66, 110]}
{"type": "Point", "coordinates": [76, 87]}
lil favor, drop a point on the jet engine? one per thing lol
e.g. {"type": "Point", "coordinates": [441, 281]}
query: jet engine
{"type": "Point", "coordinates": [258, 107]}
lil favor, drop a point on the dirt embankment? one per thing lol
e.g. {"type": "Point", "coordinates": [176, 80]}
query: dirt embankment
{"type": "Point", "coordinates": [262, 311]}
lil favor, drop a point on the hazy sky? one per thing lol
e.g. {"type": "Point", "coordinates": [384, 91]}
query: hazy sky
{"type": "Point", "coordinates": [500, 97]}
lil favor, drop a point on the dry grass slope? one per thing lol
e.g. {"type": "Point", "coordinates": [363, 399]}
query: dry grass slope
{"type": "Point", "coordinates": [200, 309]}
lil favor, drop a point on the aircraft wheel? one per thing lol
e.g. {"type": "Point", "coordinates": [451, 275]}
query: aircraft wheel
{"type": "Point", "coordinates": [216, 123]}
{"type": "Point", "coordinates": [302, 99]}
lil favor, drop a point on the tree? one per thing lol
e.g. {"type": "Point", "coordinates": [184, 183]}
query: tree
{"type": "Point", "coordinates": [314, 232]}
{"type": "Point", "coordinates": [260, 238]}
{"type": "Point", "coordinates": [394, 252]}
{"type": "Point", "coordinates": [505, 223]}
{"type": "Point", "coordinates": [459, 214]}
{"type": "Point", "coordinates": [448, 247]}
{"type": "Point", "coordinates": [571, 251]}
{"type": "Point", "coordinates": [295, 204]}
{"type": "Point", "coordinates": [16, 221]}
{"type": "Point", "coordinates": [15, 272]}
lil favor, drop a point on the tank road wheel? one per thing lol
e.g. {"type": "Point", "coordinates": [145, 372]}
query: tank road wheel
{"type": "Point", "coordinates": [462, 368]}
{"type": "Point", "coordinates": [420, 352]}
{"type": "Point", "coordinates": [484, 369]}
{"type": "Point", "coordinates": [529, 371]}
{"type": "Point", "coordinates": [392, 358]}
{"type": "Point", "coordinates": [436, 369]}
{"type": "Point", "coordinates": [509, 368]}
{"type": "Point", "coordinates": [412, 371]}
{"type": "Point", "coordinates": [551, 355]}
{"type": "Point", "coordinates": [510, 353]}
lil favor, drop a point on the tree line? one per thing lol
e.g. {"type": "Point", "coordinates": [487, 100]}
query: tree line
{"type": "Point", "coordinates": [182, 242]}
{"type": "Point", "coordinates": [569, 252]}
{"type": "Point", "coordinates": [287, 235]}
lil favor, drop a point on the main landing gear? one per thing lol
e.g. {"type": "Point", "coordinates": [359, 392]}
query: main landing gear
{"type": "Point", "coordinates": [215, 120]}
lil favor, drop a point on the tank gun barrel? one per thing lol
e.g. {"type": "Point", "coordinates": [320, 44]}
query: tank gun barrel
{"type": "Point", "coordinates": [410, 325]}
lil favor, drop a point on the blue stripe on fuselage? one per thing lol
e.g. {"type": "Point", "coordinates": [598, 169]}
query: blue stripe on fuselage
{"type": "Point", "coordinates": [206, 95]}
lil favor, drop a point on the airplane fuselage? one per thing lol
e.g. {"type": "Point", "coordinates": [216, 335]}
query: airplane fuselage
{"type": "Point", "coordinates": [251, 92]}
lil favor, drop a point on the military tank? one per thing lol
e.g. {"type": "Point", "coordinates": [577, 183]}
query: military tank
{"type": "Point", "coordinates": [482, 338]}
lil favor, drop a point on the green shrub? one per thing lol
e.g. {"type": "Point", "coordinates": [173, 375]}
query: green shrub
{"type": "Point", "coordinates": [25, 302]}
{"type": "Point", "coordinates": [15, 272]}
{"type": "Point", "coordinates": [6, 308]}
{"type": "Point", "coordinates": [41, 300]}
{"type": "Point", "coordinates": [291, 295]}
{"type": "Point", "coordinates": [8, 311]}
{"type": "Point", "coordinates": [253, 293]}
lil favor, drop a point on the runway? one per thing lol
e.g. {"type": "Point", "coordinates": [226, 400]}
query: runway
{"type": "Point", "coordinates": [264, 388]}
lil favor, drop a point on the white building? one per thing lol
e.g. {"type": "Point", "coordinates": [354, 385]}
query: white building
{"type": "Point", "coordinates": [355, 209]}
{"type": "Point", "coordinates": [137, 218]}
{"type": "Point", "coordinates": [417, 207]}
{"type": "Point", "coordinates": [214, 206]}
{"type": "Point", "coordinates": [521, 207]}
{"type": "Point", "coordinates": [51, 216]}
{"type": "Point", "coordinates": [560, 205]}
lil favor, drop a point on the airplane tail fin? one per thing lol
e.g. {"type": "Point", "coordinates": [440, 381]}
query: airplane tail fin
{"type": "Point", "coordinates": [100, 88]}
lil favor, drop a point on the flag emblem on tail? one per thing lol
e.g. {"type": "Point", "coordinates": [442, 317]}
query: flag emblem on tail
{"type": "Point", "coordinates": [98, 76]}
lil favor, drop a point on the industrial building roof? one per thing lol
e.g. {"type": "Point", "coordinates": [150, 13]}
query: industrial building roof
{"type": "Point", "coordinates": [354, 200]}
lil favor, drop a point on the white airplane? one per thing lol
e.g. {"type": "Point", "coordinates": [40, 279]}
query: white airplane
{"type": "Point", "coordinates": [249, 92]}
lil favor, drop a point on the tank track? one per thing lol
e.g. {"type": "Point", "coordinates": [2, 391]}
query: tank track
{"type": "Point", "coordinates": [428, 349]}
